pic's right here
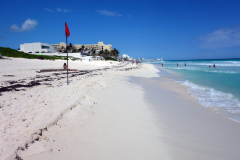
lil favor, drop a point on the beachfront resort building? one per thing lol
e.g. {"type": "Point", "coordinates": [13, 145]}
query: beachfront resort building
{"type": "Point", "coordinates": [37, 47]}
{"type": "Point", "coordinates": [60, 46]}
{"type": "Point", "coordinates": [100, 46]}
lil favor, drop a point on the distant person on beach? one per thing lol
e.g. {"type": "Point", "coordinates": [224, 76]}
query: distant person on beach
{"type": "Point", "coordinates": [177, 64]}
{"type": "Point", "coordinates": [162, 64]}
{"type": "Point", "coordinates": [132, 62]}
{"type": "Point", "coordinates": [136, 61]}
{"type": "Point", "coordinates": [64, 66]}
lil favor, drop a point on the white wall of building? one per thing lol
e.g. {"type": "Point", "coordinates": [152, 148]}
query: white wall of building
{"type": "Point", "coordinates": [36, 48]}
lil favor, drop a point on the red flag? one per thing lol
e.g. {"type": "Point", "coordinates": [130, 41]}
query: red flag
{"type": "Point", "coordinates": [67, 30]}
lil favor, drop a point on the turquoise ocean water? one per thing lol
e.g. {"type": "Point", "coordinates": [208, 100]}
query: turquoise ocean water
{"type": "Point", "coordinates": [215, 88]}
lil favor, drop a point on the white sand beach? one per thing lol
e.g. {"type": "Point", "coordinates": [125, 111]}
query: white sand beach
{"type": "Point", "coordinates": [110, 110]}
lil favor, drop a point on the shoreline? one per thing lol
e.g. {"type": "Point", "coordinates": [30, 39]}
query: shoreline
{"type": "Point", "coordinates": [220, 101]}
{"type": "Point", "coordinates": [190, 131]}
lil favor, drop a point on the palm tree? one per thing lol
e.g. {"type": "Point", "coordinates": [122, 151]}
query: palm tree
{"type": "Point", "coordinates": [94, 53]}
{"type": "Point", "coordinates": [106, 52]}
{"type": "Point", "coordinates": [115, 53]}
{"type": "Point", "coordinates": [74, 49]}
{"type": "Point", "coordinates": [70, 46]}
{"type": "Point", "coordinates": [101, 53]}
{"type": "Point", "coordinates": [83, 47]}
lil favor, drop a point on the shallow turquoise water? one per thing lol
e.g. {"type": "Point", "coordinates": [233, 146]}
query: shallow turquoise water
{"type": "Point", "coordinates": [215, 88]}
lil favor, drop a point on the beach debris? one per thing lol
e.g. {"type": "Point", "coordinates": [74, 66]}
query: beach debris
{"type": "Point", "coordinates": [26, 145]}
{"type": "Point", "coordinates": [51, 70]}
{"type": "Point", "coordinates": [21, 148]}
{"type": "Point", "coordinates": [18, 157]}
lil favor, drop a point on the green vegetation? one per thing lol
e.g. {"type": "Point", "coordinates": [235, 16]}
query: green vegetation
{"type": "Point", "coordinates": [8, 52]}
{"type": "Point", "coordinates": [110, 58]}
{"type": "Point", "coordinates": [74, 59]}
{"type": "Point", "coordinates": [106, 53]}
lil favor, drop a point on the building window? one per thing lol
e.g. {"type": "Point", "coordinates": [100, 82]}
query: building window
{"type": "Point", "coordinates": [45, 47]}
{"type": "Point", "coordinates": [37, 52]}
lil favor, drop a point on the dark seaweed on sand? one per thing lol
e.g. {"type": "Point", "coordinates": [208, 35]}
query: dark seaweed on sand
{"type": "Point", "coordinates": [22, 84]}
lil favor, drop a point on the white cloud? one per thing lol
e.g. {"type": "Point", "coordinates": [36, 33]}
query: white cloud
{"type": "Point", "coordinates": [104, 12]}
{"type": "Point", "coordinates": [49, 10]}
{"type": "Point", "coordinates": [28, 25]}
{"type": "Point", "coordinates": [63, 10]}
{"type": "Point", "coordinates": [220, 38]}
{"type": "Point", "coordinates": [15, 28]}
{"type": "Point", "coordinates": [58, 10]}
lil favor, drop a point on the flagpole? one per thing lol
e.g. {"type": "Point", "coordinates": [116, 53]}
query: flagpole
{"type": "Point", "coordinates": [67, 58]}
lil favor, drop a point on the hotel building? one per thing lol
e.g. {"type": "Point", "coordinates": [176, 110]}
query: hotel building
{"type": "Point", "coordinates": [100, 46]}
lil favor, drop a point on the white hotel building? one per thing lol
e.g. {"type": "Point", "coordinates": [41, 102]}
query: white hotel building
{"type": "Point", "coordinates": [37, 48]}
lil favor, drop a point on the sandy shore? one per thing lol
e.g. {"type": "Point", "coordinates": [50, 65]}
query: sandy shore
{"type": "Point", "coordinates": [31, 102]}
{"type": "Point", "coordinates": [108, 111]}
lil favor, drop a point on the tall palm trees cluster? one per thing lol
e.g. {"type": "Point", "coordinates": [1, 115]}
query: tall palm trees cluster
{"type": "Point", "coordinates": [106, 53]}
{"type": "Point", "coordinates": [113, 53]}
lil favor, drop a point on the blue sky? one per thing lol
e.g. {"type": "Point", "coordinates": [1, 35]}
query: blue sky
{"type": "Point", "coordinates": [168, 29]}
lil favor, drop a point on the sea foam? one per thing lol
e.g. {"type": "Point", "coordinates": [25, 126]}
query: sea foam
{"type": "Point", "coordinates": [223, 103]}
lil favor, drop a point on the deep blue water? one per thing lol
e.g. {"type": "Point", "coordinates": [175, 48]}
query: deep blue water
{"type": "Point", "coordinates": [215, 88]}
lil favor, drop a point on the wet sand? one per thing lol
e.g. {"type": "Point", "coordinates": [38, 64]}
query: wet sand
{"type": "Point", "coordinates": [190, 131]}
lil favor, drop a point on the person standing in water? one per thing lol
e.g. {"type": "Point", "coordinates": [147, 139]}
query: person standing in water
{"type": "Point", "coordinates": [214, 65]}
{"type": "Point", "coordinates": [185, 64]}
{"type": "Point", "coordinates": [162, 64]}
{"type": "Point", "coordinates": [177, 64]}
